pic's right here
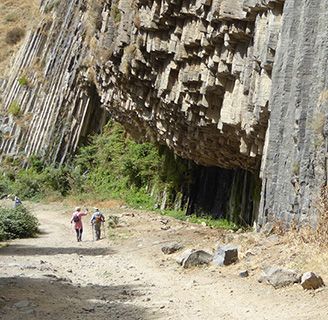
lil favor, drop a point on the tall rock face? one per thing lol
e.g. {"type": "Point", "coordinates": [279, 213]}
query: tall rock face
{"type": "Point", "coordinates": [47, 105]}
{"type": "Point", "coordinates": [195, 75]}
{"type": "Point", "coordinates": [295, 167]}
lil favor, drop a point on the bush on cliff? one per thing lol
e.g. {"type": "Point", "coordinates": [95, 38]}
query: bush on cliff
{"type": "Point", "coordinates": [17, 223]}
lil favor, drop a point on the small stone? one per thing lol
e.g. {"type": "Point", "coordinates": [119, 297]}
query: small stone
{"type": "Point", "coordinates": [243, 274]}
{"type": "Point", "coordinates": [171, 248]}
{"type": "Point", "coordinates": [22, 304]}
{"type": "Point", "coordinates": [310, 281]}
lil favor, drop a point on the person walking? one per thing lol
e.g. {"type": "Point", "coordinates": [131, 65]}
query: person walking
{"type": "Point", "coordinates": [17, 202]}
{"type": "Point", "coordinates": [96, 220]}
{"type": "Point", "coordinates": [77, 220]}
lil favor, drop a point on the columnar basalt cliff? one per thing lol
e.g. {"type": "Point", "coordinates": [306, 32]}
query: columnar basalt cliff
{"type": "Point", "coordinates": [295, 168]}
{"type": "Point", "coordinates": [194, 75]}
{"type": "Point", "coordinates": [56, 108]}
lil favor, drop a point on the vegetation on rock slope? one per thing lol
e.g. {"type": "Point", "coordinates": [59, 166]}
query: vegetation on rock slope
{"type": "Point", "coordinates": [16, 19]}
{"type": "Point", "coordinates": [112, 166]}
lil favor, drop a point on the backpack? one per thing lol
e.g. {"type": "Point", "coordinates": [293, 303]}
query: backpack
{"type": "Point", "coordinates": [76, 218]}
{"type": "Point", "coordinates": [99, 218]}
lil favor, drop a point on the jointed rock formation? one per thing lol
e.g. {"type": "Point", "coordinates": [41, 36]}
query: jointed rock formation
{"type": "Point", "coordinates": [195, 75]}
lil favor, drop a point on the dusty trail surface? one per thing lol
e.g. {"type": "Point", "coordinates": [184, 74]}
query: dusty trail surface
{"type": "Point", "coordinates": [128, 277]}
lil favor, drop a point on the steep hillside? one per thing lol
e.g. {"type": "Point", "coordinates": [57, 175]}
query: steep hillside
{"type": "Point", "coordinates": [16, 20]}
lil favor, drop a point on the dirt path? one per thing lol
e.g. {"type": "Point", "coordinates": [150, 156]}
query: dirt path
{"type": "Point", "coordinates": [128, 277]}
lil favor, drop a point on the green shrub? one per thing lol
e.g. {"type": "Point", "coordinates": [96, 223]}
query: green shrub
{"type": "Point", "coordinates": [17, 223]}
{"type": "Point", "coordinates": [14, 109]}
{"type": "Point", "coordinates": [14, 35]}
{"type": "Point", "coordinates": [115, 13]}
{"type": "Point", "coordinates": [23, 81]}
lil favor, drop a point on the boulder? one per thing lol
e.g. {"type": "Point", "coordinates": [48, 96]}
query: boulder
{"type": "Point", "coordinates": [171, 248]}
{"type": "Point", "coordinates": [279, 277]}
{"type": "Point", "coordinates": [226, 255]}
{"type": "Point", "coordinates": [192, 257]}
{"type": "Point", "coordinates": [310, 281]}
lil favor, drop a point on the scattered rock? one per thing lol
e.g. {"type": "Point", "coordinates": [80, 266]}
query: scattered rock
{"type": "Point", "coordinates": [267, 228]}
{"type": "Point", "coordinates": [128, 214]}
{"type": "Point", "coordinates": [249, 253]}
{"type": "Point", "coordinates": [165, 227]}
{"type": "Point", "coordinates": [164, 221]}
{"type": "Point", "coordinates": [22, 304]}
{"type": "Point", "coordinates": [310, 281]}
{"type": "Point", "coordinates": [279, 277]}
{"type": "Point", "coordinates": [192, 257]}
{"type": "Point", "coordinates": [243, 274]}
{"type": "Point", "coordinates": [171, 248]}
{"type": "Point", "coordinates": [226, 255]}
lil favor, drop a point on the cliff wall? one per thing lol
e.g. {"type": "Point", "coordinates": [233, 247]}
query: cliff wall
{"type": "Point", "coordinates": [195, 75]}
{"type": "Point", "coordinates": [47, 108]}
{"type": "Point", "coordinates": [295, 168]}
{"type": "Point", "coordinates": [206, 78]}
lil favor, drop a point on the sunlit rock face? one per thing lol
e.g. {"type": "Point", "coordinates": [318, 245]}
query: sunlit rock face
{"type": "Point", "coordinates": [295, 168]}
{"type": "Point", "coordinates": [195, 75]}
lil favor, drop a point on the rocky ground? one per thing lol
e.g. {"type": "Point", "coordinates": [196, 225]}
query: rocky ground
{"type": "Point", "coordinates": [126, 276]}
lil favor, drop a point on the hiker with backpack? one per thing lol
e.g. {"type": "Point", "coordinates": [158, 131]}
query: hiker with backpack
{"type": "Point", "coordinates": [17, 202]}
{"type": "Point", "coordinates": [77, 219]}
{"type": "Point", "coordinates": [96, 220]}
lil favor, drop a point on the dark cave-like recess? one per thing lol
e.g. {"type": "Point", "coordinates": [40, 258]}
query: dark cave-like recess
{"type": "Point", "coordinates": [222, 193]}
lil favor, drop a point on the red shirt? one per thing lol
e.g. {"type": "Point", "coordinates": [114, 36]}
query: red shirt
{"type": "Point", "coordinates": [78, 224]}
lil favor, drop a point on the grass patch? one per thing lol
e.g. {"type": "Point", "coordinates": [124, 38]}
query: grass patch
{"type": "Point", "coordinates": [23, 81]}
{"type": "Point", "coordinates": [209, 221]}
{"type": "Point", "coordinates": [14, 109]}
{"type": "Point", "coordinates": [116, 13]}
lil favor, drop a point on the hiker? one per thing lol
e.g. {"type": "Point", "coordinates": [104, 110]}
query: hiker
{"type": "Point", "coordinates": [77, 219]}
{"type": "Point", "coordinates": [17, 202]}
{"type": "Point", "coordinates": [96, 220]}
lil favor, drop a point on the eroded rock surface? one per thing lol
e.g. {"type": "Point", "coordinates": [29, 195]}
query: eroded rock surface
{"type": "Point", "coordinates": [195, 75]}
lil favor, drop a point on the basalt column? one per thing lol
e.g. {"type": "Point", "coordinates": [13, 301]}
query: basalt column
{"type": "Point", "coordinates": [295, 167]}
{"type": "Point", "coordinates": [222, 193]}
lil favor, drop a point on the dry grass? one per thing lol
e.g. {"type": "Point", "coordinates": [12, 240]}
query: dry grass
{"type": "Point", "coordinates": [15, 15]}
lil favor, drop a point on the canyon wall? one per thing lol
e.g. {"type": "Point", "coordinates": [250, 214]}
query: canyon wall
{"type": "Point", "coordinates": [47, 107]}
{"type": "Point", "coordinates": [194, 75]}
{"type": "Point", "coordinates": [207, 78]}
{"type": "Point", "coordinates": [295, 168]}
